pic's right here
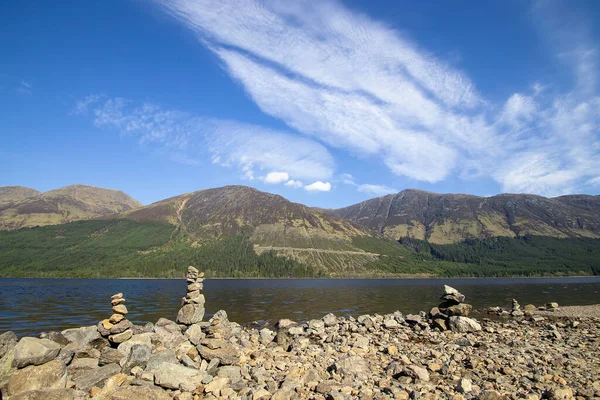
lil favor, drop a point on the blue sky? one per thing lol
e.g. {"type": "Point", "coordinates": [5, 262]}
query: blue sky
{"type": "Point", "coordinates": [325, 102]}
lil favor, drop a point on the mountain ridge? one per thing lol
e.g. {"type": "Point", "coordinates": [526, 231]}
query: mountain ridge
{"type": "Point", "coordinates": [449, 218]}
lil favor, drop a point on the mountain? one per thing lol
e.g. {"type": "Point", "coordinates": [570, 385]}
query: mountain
{"type": "Point", "coordinates": [451, 218]}
{"type": "Point", "coordinates": [12, 194]}
{"type": "Point", "coordinates": [24, 207]}
{"type": "Point", "coordinates": [272, 219]}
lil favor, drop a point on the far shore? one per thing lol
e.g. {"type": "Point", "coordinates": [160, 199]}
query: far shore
{"type": "Point", "coordinates": [394, 277]}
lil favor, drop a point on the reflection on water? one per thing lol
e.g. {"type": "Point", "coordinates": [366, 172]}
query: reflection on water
{"type": "Point", "coordinates": [30, 306]}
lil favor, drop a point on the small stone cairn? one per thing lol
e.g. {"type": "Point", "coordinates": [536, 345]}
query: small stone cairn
{"type": "Point", "coordinates": [516, 309]}
{"type": "Point", "coordinates": [192, 310]}
{"type": "Point", "coordinates": [117, 328]}
{"type": "Point", "coordinates": [453, 303]}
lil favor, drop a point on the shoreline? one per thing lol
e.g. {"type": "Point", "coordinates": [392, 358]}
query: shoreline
{"type": "Point", "coordinates": [340, 278]}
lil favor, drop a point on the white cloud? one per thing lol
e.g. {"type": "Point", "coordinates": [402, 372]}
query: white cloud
{"type": "Point", "coordinates": [318, 186]}
{"type": "Point", "coordinates": [376, 190]}
{"type": "Point", "coordinates": [294, 184]}
{"type": "Point", "coordinates": [348, 179]}
{"type": "Point", "coordinates": [230, 144]}
{"type": "Point", "coordinates": [276, 177]}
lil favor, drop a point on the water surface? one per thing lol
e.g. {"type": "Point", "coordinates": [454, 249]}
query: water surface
{"type": "Point", "coordinates": [30, 306]}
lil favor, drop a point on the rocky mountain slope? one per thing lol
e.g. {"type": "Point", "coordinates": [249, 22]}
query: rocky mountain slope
{"type": "Point", "coordinates": [12, 194]}
{"type": "Point", "coordinates": [22, 207]}
{"type": "Point", "coordinates": [271, 220]}
{"type": "Point", "coordinates": [450, 218]}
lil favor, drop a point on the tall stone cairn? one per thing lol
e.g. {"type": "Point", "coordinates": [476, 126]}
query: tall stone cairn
{"type": "Point", "coordinates": [192, 310]}
{"type": "Point", "coordinates": [453, 303]}
{"type": "Point", "coordinates": [117, 328]}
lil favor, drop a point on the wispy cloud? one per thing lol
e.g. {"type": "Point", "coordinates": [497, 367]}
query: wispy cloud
{"type": "Point", "coordinates": [376, 190]}
{"type": "Point", "coordinates": [24, 88]}
{"type": "Point", "coordinates": [190, 138]}
{"type": "Point", "coordinates": [355, 84]}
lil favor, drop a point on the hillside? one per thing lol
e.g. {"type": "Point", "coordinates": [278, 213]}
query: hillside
{"type": "Point", "coordinates": [26, 208]}
{"type": "Point", "coordinates": [451, 218]}
{"type": "Point", "coordinates": [13, 194]}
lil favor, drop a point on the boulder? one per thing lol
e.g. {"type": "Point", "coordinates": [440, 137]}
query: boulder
{"type": "Point", "coordinates": [96, 377]}
{"type": "Point", "coordinates": [190, 314]}
{"type": "Point", "coordinates": [448, 290]}
{"type": "Point", "coordinates": [8, 340]}
{"type": "Point", "coordinates": [464, 324]}
{"type": "Point", "coordinates": [416, 372]}
{"type": "Point", "coordinates": [108, 355]}
{"type": "Point", "coordinates": [51, 375]}
{"type": "Point", "coordinates": [459, 310]}
{"type": "Point", "coordinates": [161, 357]}
{"type": "Point", "coordinates": [453, 298]}
{"type": "Point", "coordinates": [217, 348]}
{"type": "Point", "coordinates": [52, 394]}
{"type": "Point", "coordinates": [139, 355]}
{"type": "Point", "coordinates": [142, 338]}
{"type": "Point", "coordinates": [82, 336]}
{"type": "Point", "coordinates": [330, 320]}
{"type": "Point", "coordinates": [354, 367]}
{"type": "Point", "coordinates": [172, 376]}
{"type": "Point", "coordinates": [148, 392]}
{"type": "Point", "coordinates": [32, 351]}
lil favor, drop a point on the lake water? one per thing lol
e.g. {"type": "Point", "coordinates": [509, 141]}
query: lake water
{"type": "Point", "coordinates": [30, 306]}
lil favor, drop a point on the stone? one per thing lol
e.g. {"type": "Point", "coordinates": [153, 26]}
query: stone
{"type": "Point", "coordinates": [464, 386]}
{"type": "Point", "coordinates": [194, 334]}
{"type": "Point", "coordinates": [142, 338]}
{"type": "Point", "coordinates": [117, 296]}
{"type": "Point", "coordinates": [51, 375]}
{"type": "Point", "coordinates": [96, 377]}
{"type": "Point", "coordinates": [172, 376]}
{"type": "Point", "coordinates": [50, 394]}
{"type": "Point", "coordinates": [391, 323]}
{"type": "Point", "coordinates": [453, 298]}
{"type": "Point", "coordinates": [32, 351]}
{"type": "Point", "coordinates": [139, 355]}
{"type": "Point", "coordinates": [108, 355]}
{"type": "Point", "coordinates": [551, 306]}
{"type": "Point", "coordinates": [116, 302]}
{"type": "Point", "coordinates": [464, 325]}
{"type": "Point", "coordinates": [120, 309]}
{"type": "Point", "coordinates": [8, 340]}
{"type": "Point", "coordinates": [121, 327]}
{"type": "Point", "coordinates": [529, 308]}
{"type": "Point", "coordinates": [285, 323]}
{"type": "Point", "coordinates": [190, 314]}
{"type": "Point", "coordinates": [161, 357]}
{"type": "Point", "coordinates": [330, 320]}
{"type": "Point", "coordinates": [121, 337]}
{"type": "Point", "coordinates": [82, 336]}
{"type": "Point", "coordinates": [416, 372]}
{"type": "Point", "coordinates": [450, 290]}
{"type": "Point", "coordinates": [116, 318]}
{"type": "Point", "coordinates": [461, 310]}
{"type": "Point", "coordinates": [440, 323]}
{"type": "Point", "coordinates": [560, 393]}
{"type": "Point", "coordinates": [490, 395]}
{"type": "Point", "coordinates": [140, 393]}
{"type": "Point", "coordinates": [233, 373]}
{"type": "Point", "coordinates": [216, 385]}
{"type": "Point", "coordinates": [216, 348]}
{"type": "Point", "coordinates": [352, 367]}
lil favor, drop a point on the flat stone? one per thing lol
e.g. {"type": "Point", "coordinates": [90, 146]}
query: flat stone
{"type": "Point", "coordinates": [140, 393]}
{"type": "Point", "coordinates": [120, 309]}
{"type": "Point", "coordinates": [82, 336]}
{"type": "Point", "coordinates": [416, 372]}
{"type": "Point", "coordinates": [194, 286]}
{"type": "Point", "coordinates": [459, 310]}
{"type": "Point", "coordinates": [172, 376]}
{"type": "Point", "coordinates": [116, 302]}
{"type": "Point", "coordinates": [190, 314]}
{"type": "Point", "coordinates": [32, 351]}
{"type": "Point", "coordinates": [216, 385]}
{"type": "Point", "coordinates": [116, 318]}
{"type": "Point", "coordinates": [453, 298]}
{"type": "Point", "coordinates": [96, 377]}
{"type": "Point", "coordinates": [8, 340]}
{"type": "Point", "coordinates": [192, 294]}
{"type": "Point", "coordinates": [210, 349]}
{"type": "Point", "coordinates": [464, 324]}
{"type": "Point", "coordinates": [116, 296]}
{"type": "Point", "coordinates": [121, 327]}
{"type": "Point", "coordinates": [121, 337]}
{"type": "Point", "coordinates": [142, 338]}
{"type": "Point", "coordinates": [51, 375]}
{"type": "Point", "coordinates": [108, 355]}
{"type": "Point", "coordinates": [161, 357]}
{"type": "Point", "coordinates": [50, 394]}
{"type": "Point", "coordinates": [354, 367]}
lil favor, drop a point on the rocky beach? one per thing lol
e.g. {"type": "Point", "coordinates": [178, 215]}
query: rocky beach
{"type": "Point", "coordinates": [525, 352]}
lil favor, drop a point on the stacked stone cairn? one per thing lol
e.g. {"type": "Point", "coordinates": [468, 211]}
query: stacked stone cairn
{"type": "Point", "coordinates": [192, 310]}
{"type": "Point", "coordinates": [516, 309]}
{"type": "Point", "coordinates": [117, 328]}
{"type": "Point", "coordinates": [452, 312]}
